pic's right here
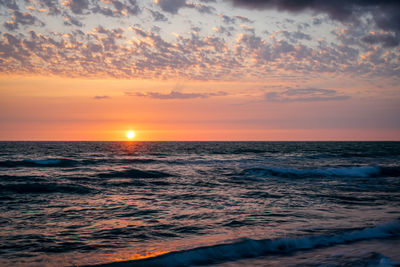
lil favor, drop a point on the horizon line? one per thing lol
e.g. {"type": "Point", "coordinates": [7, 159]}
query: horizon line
{"type": "Point", "coordinates": [132, 141]}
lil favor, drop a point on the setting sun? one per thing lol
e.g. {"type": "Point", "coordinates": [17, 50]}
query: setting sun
{"type": "Point", "coordinates": [130, 134]}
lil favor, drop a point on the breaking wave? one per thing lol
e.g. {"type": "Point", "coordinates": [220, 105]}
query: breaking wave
{"type": "Point", "coordinates": [356, 171]}
{"type": "Point", "coordinates": [250, 248]}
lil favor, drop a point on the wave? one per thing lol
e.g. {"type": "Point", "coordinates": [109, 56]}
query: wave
{"type": "Point", "coordinates": [64, 162]}
{"type": "Point", "coordinates": [250, 248]}
{"type": "Point", "coordinates": [369, 259]}
{"type": "Point", "coordinates": [355, 171]}
{"type": "Point", "coordinates": [140, 161]}
{"type": "Point", "coordinates": [134, 173]}
{"type": "Point", "coordinates": [39, 163]}
{"type": "Point", "coordinates": [249, 150]}
{"type": "Point", "coordinates": [46, 188]}
{"type": "Point", "coordinates": [10, 178]}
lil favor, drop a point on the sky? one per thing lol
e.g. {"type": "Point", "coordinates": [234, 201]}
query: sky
{"type": "Point", "coordinates": [200, 70]}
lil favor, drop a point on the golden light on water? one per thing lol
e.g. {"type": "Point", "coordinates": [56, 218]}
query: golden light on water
{"type": "Point", "coordinates": [130, 135]}
{"type": "Point", "coordinates": [138, 256]}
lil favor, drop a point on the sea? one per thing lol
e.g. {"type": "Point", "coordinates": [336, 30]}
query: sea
{"type": "Point", "coordinates": [199, 203]}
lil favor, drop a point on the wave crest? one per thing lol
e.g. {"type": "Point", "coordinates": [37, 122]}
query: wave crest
{"type": "Point", "coordinates": [38, 163]}
{"type": "Point", "coordinates": [354, 171]}
{"type": "Point", "coordinates": [249, 248]}
{"type": "Point", "coordinates": [134, 173]}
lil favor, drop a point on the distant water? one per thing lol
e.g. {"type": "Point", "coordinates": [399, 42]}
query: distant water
{"type": "Point", "coordinates": [200, 203]}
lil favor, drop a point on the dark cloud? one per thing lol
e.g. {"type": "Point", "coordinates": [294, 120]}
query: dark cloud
{"type": "Point", "coordinates": [157, 16]}
{"type": "Point", "coordinates": [296, 36]}
{"type": "Point", "coordinates": [204, 9]}
{"type": "Point", "coordinates": [19, 18]}
{"type": "Point", "coordinates": [12, 48]}
{"type": "Point", "coordinates": [386, 39]}
{"type": "Point", "coordinates": [110, 8]}
{"type": "Point", "coordinates": [305, 95]}
{"type": "Point", "coordinates": [52, 6]}
{"type": "Point", "coordinates": [117, 8]}
{"type": "Point", "coordinates": [171, 6]}
{"type": "Point", "coordinates": [70, 20]}
{"type": "Point", "coordinates": [177, 95]}
{"type": "Point", "coordinates": [104, 10]}
{"type": "Point", "coordinates": [24, 18]}
{"type": "Point", "coordinates": [77, 6]}
{"type": "Point", "coordinates": [10, 25]}
{"type": "Point", "coordinates": [11, 4]}
{"type": "Point", "coordinates": [386, 13]}
{"type": "Point", "coordinates": [226, 19]}
{"type": "Point", "coordinates": [132, 7]}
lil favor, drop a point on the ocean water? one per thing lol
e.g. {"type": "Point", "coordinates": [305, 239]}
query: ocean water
{"type": "Point", "coordinates": [200, 203]}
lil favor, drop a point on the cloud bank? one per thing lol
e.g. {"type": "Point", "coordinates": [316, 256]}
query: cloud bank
{"type": "Point", "coordinates": [305, 95]}
{"type": "Point", "coordinates": [384, 12]}
{"type": "Point", "coordinates": [218, 44]}
{"type": "Point", "coordinates": [177, 95]}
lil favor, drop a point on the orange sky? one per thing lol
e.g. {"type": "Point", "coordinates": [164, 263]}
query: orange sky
{"type": "Point", "coordinates": [53, 108]}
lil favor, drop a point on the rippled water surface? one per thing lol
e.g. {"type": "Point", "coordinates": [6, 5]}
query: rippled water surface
{"type": "Point", "coordinates": [199, 203]}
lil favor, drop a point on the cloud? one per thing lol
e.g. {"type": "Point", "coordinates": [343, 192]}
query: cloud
{"type": "Point", "coordinates": [70, 20]}
{"type": "Point", "coordinates": [305, 95]}
{"type": "Point", "coordinates": [101, 97]}
{"type": "Point", "coordinates": [226, 19]}
{"type": "Point", "coordinates": [116, 8]}
{"type": "Point", "coordinates": [131, 7]}
{"type": "Point", "coordinates": [296, 36]}
{"type": "Point", "coordinates": [51, 5]}
{"type": "Point", "coordinates": [171, 6]}
{"type": "Point", "coordinates": [225, 30]}
{"type": "Point", "coordinates": [203, 8]}
{"type": "Point", "coordinates": [19, 18]}
{"type": "Point", "coordinates": [385, 13]}
{"type": "Point", "coordinates": [231, 53]}
{"type": "Point", "coordinates": [157, 16]}
{"type": "Point", "coordinates": [177, 95]}
{"type": "Point", "coordinates": [386, 39]}
{"type": "Point", "coordinates": [77, 6]}
{"type": "Point", "coordinates": [243, 19]}
{"type": "Point", "coordinates": [11, 4]}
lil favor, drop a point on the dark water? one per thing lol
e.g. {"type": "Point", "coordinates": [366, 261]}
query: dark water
{"type": "Point", "coordinates": [200, 203]}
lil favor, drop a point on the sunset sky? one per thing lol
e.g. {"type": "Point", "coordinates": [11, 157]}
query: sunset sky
{"type": "Point", "coordinates": [199, 70]}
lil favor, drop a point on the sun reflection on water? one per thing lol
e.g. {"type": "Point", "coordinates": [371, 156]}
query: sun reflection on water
{"type": "Point", "coordinates": [137, 256]}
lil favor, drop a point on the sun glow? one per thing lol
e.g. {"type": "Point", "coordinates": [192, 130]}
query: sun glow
{"type": "Point", "coordinates": [130, 134]}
